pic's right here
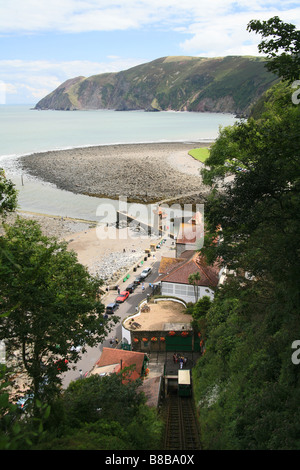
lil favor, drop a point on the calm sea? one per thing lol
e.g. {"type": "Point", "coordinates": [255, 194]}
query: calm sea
{"type": "Point", "coordinates": [24, 131]}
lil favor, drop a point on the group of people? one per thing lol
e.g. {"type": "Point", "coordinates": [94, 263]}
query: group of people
{"type": "Point", "coordinates": [177, 358]}
{"type": "Point", "coordinates": [114, 341]}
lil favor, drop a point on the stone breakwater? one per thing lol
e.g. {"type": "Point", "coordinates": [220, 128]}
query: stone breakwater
{"type": "Point", "coordinates": [140, 172]}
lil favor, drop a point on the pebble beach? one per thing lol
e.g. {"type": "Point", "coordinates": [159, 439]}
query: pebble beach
{"type": "Point", "coordinates": [143, 173]}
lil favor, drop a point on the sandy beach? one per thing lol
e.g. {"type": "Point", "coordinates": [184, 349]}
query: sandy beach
{"type": "Point", "coordinates": [140, 172]}
{"type": "Point", "coordinates": [106, 251]}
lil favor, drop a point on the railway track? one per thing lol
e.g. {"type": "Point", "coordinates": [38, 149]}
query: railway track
{"type": "Point", "coordinates": [181, 425]}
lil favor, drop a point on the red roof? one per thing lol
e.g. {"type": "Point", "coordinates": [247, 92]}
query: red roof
{"type": "Point", "coordinates": [122, 359]}
{"type": "Point", "coordinates": [167, 264]}
{"type": "Point", "coordinates": [209, 275]}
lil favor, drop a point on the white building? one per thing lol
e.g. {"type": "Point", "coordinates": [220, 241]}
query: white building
{"type": "Point", "coordinates": [175, 278]}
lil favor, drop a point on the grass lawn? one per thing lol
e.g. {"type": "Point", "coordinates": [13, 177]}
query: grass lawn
{"type": "Point", "coordinates": [200, 154]}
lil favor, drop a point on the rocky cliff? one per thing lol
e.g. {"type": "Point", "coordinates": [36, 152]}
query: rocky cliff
{"type": "Point", "coordinates": [227, 84]}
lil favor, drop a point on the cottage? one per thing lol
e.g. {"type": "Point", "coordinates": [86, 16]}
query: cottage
{"type": "Point", "coordinates": [177, 283]}
{"type": "Point", "coordinates": [113, 361]}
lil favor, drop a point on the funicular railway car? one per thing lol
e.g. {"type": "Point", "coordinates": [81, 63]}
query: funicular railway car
{"type": "Point", "coordinates": [184, 383]}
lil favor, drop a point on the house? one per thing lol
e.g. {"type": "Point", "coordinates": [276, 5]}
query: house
{"type": "Point", "coordinates": [168, 263]}
{"type": "Point", "coordinates": [113, 361]}
{"type": "Point", "coordinates": [176, 281]}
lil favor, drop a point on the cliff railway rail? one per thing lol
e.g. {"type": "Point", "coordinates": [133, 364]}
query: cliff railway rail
{"type": "Point", "coordinates": [181, 424]}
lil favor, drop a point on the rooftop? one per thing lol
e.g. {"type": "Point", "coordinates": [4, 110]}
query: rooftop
{"type": "Point", "coordinates": [167, 264]}
{"type": "Point", "coordinates": [115, 360]}
{"type": "Point", "coordinates": [161, 313]}
{"type": "Point", "coordinates": [209, 275]}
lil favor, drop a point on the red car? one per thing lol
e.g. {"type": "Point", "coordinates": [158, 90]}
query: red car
{"type": "Point", "coordinates": [122, 296]}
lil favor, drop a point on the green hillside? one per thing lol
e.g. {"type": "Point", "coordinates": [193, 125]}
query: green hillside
{"type": "Point", "coordinates": [226, 84]}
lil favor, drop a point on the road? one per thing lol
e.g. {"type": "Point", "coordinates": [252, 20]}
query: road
{"type": "Point", "coordinates": [89, 358]}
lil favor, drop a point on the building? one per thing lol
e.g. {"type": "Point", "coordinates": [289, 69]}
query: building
{"type": "Point", "coordinates": [174, 277]}
{"type": "Point", "coordinates": [164, 326]}
{"type": "Point", "coordinates": [113, 361]}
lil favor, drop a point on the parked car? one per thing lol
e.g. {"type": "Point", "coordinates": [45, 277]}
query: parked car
{"type": "Point", "coordinates": [138, 280]}
{"type": "Point", "coordinates": [130, 288]}
{"type": "Point", "coordinates": [111, 308]}
{"type": "Point", "coordinates": [122, 296]}
{"type": "Point", "coordinates": [145, 272]}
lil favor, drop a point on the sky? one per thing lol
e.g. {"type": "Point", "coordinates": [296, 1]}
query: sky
{"type": "Point", "coordinates": [45, 42]}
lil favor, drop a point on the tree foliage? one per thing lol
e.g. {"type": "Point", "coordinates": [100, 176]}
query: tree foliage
{"type": "Point", "coordinates": [282, 47]}
{"type": "Point", "coordinates": [8, 195]}
{"type": "Point", "coordinates": [49, 306]}
{"type": "Point", "coordinates": [246, 386]}
{"type": "Point", "coordinates": [194, 279]}
{"type": "Point", "coordinates": [103, 413]}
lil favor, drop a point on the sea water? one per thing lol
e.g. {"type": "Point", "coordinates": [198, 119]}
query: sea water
{"type": "Point", "coordinates": [24, 130]}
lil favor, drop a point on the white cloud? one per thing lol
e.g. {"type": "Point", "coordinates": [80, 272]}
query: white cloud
{"type": "Point", "coordinates": [38, 78]}
{"type": "Point", "coordinates": [105, 15]}
{"type": "Point", "coordinates": [71, 15]}
{"type": "Point", "coordinates": [65, 69]}
{"type": "Point", "coordinates": [210, 28]}
{"type": "Point", "coordinates": [227, 34]}
{"type": "Point", "coordinates": [215, 27]}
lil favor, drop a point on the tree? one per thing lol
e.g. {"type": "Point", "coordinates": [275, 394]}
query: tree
{"type": "Point", "coordinates": [198, 312]}
{"type": "Point", "coordinates": [49, 302]}
{"type": "Point", "coordinates": [104, 413]}
{"type": "Point", "coordinates": [8, 195]}
{"type": "Point", "coordinates": [257, 208]}
{"type": "Point", "coordinates": [109, 397]}
{"type": "Point", "coordinates": [283, 37]}
{"type": "Point", "coordinates": [246, 384]}
{"type": "Point", "coordinates": [194, 279]}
